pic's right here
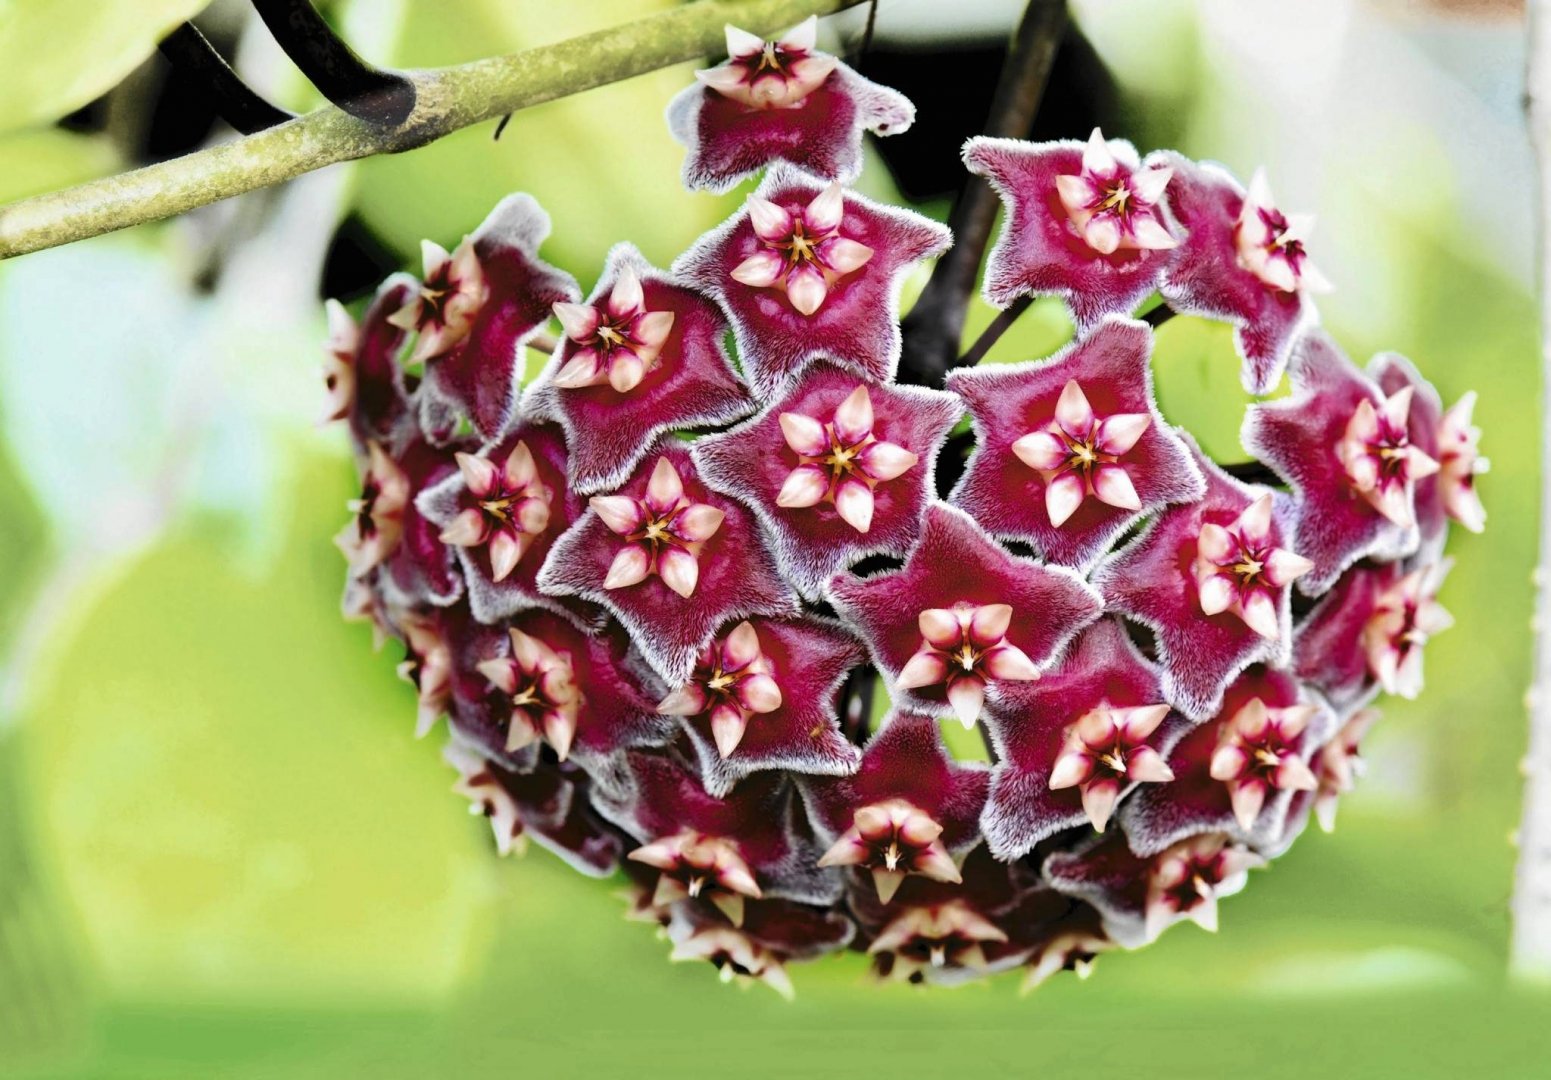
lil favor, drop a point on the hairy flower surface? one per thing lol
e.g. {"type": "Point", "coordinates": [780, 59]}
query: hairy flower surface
{"type": "Point", "coordinates": [654, 595]}
{"type": "Point", "coordinates": [1240, 262]}
{"type": "Point", "coordinates": [1211, 581]}
{"type": "Point", "coordinates": [780, 100]}
{"type": "Point", "coordinates": [807, 272]}
{"type": "Point", "coordinates": [837, 469]}
{"type": "Point", "coordinates": [1344, 447]}
{"type": "Point", "coordinates": [671, 559]}
{"type": "Point", "coordinates": [763, 697]}
{"type": "Point", "coordinates": [474, 311]}
{"type": "Point", "coordinates": [962, 614]}
{"type": "Point", "coordinates": [1085, 221]}
{"type": "Point", "coordinates": [1072, 451]}
{"type": "Point", "coordinates": [642, 356]}
{"type": "Point", "coordinates": [1071, 745]}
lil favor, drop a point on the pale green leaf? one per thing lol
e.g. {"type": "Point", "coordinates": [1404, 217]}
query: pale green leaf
{"type": "Point", "coordinates": [58, 55]}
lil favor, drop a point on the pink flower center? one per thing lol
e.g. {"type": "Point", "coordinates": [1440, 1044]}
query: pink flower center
{"type": "Point", "coordinates": [1238, 568]}
{"type": "Point", "coordinates": [510, 506]}
{"type": "Point", "coordinates": [802, 250]}
{"type": "Point", "coordinates": [1113, 206]}
{"type": "Point", "coordinates": [616, 342]}
{"type": "Point", "coordinates": [1380, 461]}
{"type": "Point", "coordinates": [840, 462]}
{"type": "Point", "coordinates": [893, 839]}
{"type": "Point", "coordinates": [664, 532]}
{"type": "Point", "coordinates": [1404, 617]}
{"type": "Point", "coordinates": [1078, 453]}
{"type": "Point", "coordinates": [964, 647]}
{"type": "Point", "coordinates": [776, 74]}
{"type": "Point", "coordinates": [541, 685]}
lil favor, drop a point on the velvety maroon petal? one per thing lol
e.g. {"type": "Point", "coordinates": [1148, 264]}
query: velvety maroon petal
{"type": "Point", "coordinates": [728, 141]}
{"type": "Point", "coordinates": [1151, 580]}
{"type": "Point", "coordinates": [905, 759]}
{"type": "Point", "coordinates": [1297, 437]}
{"type": "Point", "coordinates": [381, 409]}
{"type": "Point", "coordinates": [1205, 277]}
{"type": "Point", "coordinates": [752, 461]}
{"type": "Point", "coordinates": [480, 376]}
{"type": "Point", "coordinates": [1007, 402]}
{"type": "Point", "coordinates": [808, 659]}
{"type": "Point", "coordinates": [1105, 872]}
{"type": "Point", "coordinates": [492, 601]}
{"type": "Point", "coordinates": [956, 562]}
{"type": "Point", "coordinates": [551, 805]}
{"type": "Point", "coordinates": [1039, 252]}
{"type": "Point", "coordinates": [1027, 726]}
{"type": "Point", "coordinates": [738, 575]}
{"type": "Point", "coordinates": [857, 325]}
{"type": "Point", "coordinates": [692, 383]}
{"type": "Point", "coordinates": [660, 795]}
{"type": "Point", "coordinates": [1394, 373]}
{"type": "Point", "coordinates": [1328, 646]}
{"type": "Point", "coordinates": [1193, 802]}
{"type": "Point", "coordinates": [422, 569]}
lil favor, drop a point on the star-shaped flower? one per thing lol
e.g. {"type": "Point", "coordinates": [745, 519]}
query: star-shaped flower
{"type": "Point", "coordinates": [780, 100]}
{"type": "Point", "coordinates": [361, 372]}
{"type": "Point", "coordinates": [642, 356]}
{"type": "Point", "coordinates": [671, 559]}
{"type": "Point", "coordinates": [658, 796]}
{"type": "Point", "coordinates": [1345, 448]}
{"type": "Point", "coordinates": [764, 697]}
{"type": "Point", "coordinates": [806, 271]}
{"type": "Point", "coordinates": [1340, 764]}
{"type": "Point", "coordinates": [1211, 580]}
{"type": "Point", "coordinates": [1070, 944]}
{"type": "Point", "coordinates": [1071, 746]}
{"type": "Point", "coordinates": [548, 804]}
{"type": "Point", "coordinates": [501, 512]}
{"type": "Point", "coordinates": [1241, 261]}
{"type": "Point", "coordinates": [1085, 221]}
{"type": "Point", "coordinates": [837, 469]}
{"type": "Point", "coordinates": [962, 614]}
{"type": "Point", "coordinates": [474, 311]}
{"type": "Point", "coordinates": [1072, 451]}
{"type": "Point", "coordinates": [1138, 897]}
{"type": "Point", "coordinates": [1450, 439]}
{"type": "Point", "coordinates": [1369, 631]}
{"type": "Point", "coordinates": [389, 532]}
{"type": "Point", "coordinates": [908, 809]}
{"type": "Point", "coordinates": [1235, 774]}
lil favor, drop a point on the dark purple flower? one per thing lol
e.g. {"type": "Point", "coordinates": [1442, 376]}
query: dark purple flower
{"type": "Point", "coordinates": [1242, 261]}
{"type": "Point", "coordinates": [361, 371]}
{"type": "Point", "coordinates": [1071, 745]}
{"type": "Point", "coordinates": [671, 559]}
{"type": "Point", "coordinates": [1085, 221]}
{"type": "Point", "coordinates": [1345, 448]}
{"type": "Point", "coordinates": [473, 313]}
{"type": "Point", "coordinates": [1369, 631]}
{"type": "Point", "coordinates": [572, 688]}
{"type": "Point", "coordinates": [549, 804]}
{"type": "Point", "coordinates": [1139, 897]}
{"type": "Point", "coordinates": [807, 271]}
{"type": "Point", "coordinates": [763, 697]}
{"type": "Point", "coordinates": [837, 469]}
{"type": "Point", "coordinates": [962, 614]}
{"type": "Point", "coordinates": [1072, 451]}
{"type": "Point", "coordinates": [642, 356]}
{"type": "Point", "coordinates": [757, 835]}
{"type": "Point", "coordinates": [501, 512]}
{"type": "Point", "coordinates": [1235, 774]}
{"type": "Point", "coordinates": [780, 100]}
{"type": "Point", "coordinates": [908, 809]}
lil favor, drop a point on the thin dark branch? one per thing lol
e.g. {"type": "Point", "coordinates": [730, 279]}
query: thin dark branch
{"type": "Point", "coordinates": [1159, 315]}
{"type": "Point", "coordinates": [236, 103]}
{"type": "Point", "coordinates": [369, 93]}
{"type": "Point", "coordinates": [500, 127]}
{"type": "Point", "coordinates": [936, 323]}
{"type": "Point", "coordinates": [993, 333]}
{"type": "Point", "coordinates": [872, 21]}
{"type": "Point", "coordinates": [1254, 472]}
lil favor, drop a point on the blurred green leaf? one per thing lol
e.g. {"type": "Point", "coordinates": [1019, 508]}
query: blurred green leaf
{"type": "Point", "coordinates": [49, 159]}
{"type": "Point", "coordinates": [58, 55]}
{"type": "Point", "coordinates": [602, 163]}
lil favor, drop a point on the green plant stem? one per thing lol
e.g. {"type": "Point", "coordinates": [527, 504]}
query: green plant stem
{"type": "Point", "coordinates": [446, 100]}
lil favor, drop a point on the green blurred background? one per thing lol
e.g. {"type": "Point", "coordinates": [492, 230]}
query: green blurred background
{"type": "Point", "coordinates": [223, 853]}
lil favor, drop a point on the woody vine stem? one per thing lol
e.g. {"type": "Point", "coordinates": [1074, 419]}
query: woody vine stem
{"type": "Point", "coordinates": [444, 100]}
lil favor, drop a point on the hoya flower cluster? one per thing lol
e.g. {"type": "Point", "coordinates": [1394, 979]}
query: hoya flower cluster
{"type": "Point", "coordinates": [648, 590]}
